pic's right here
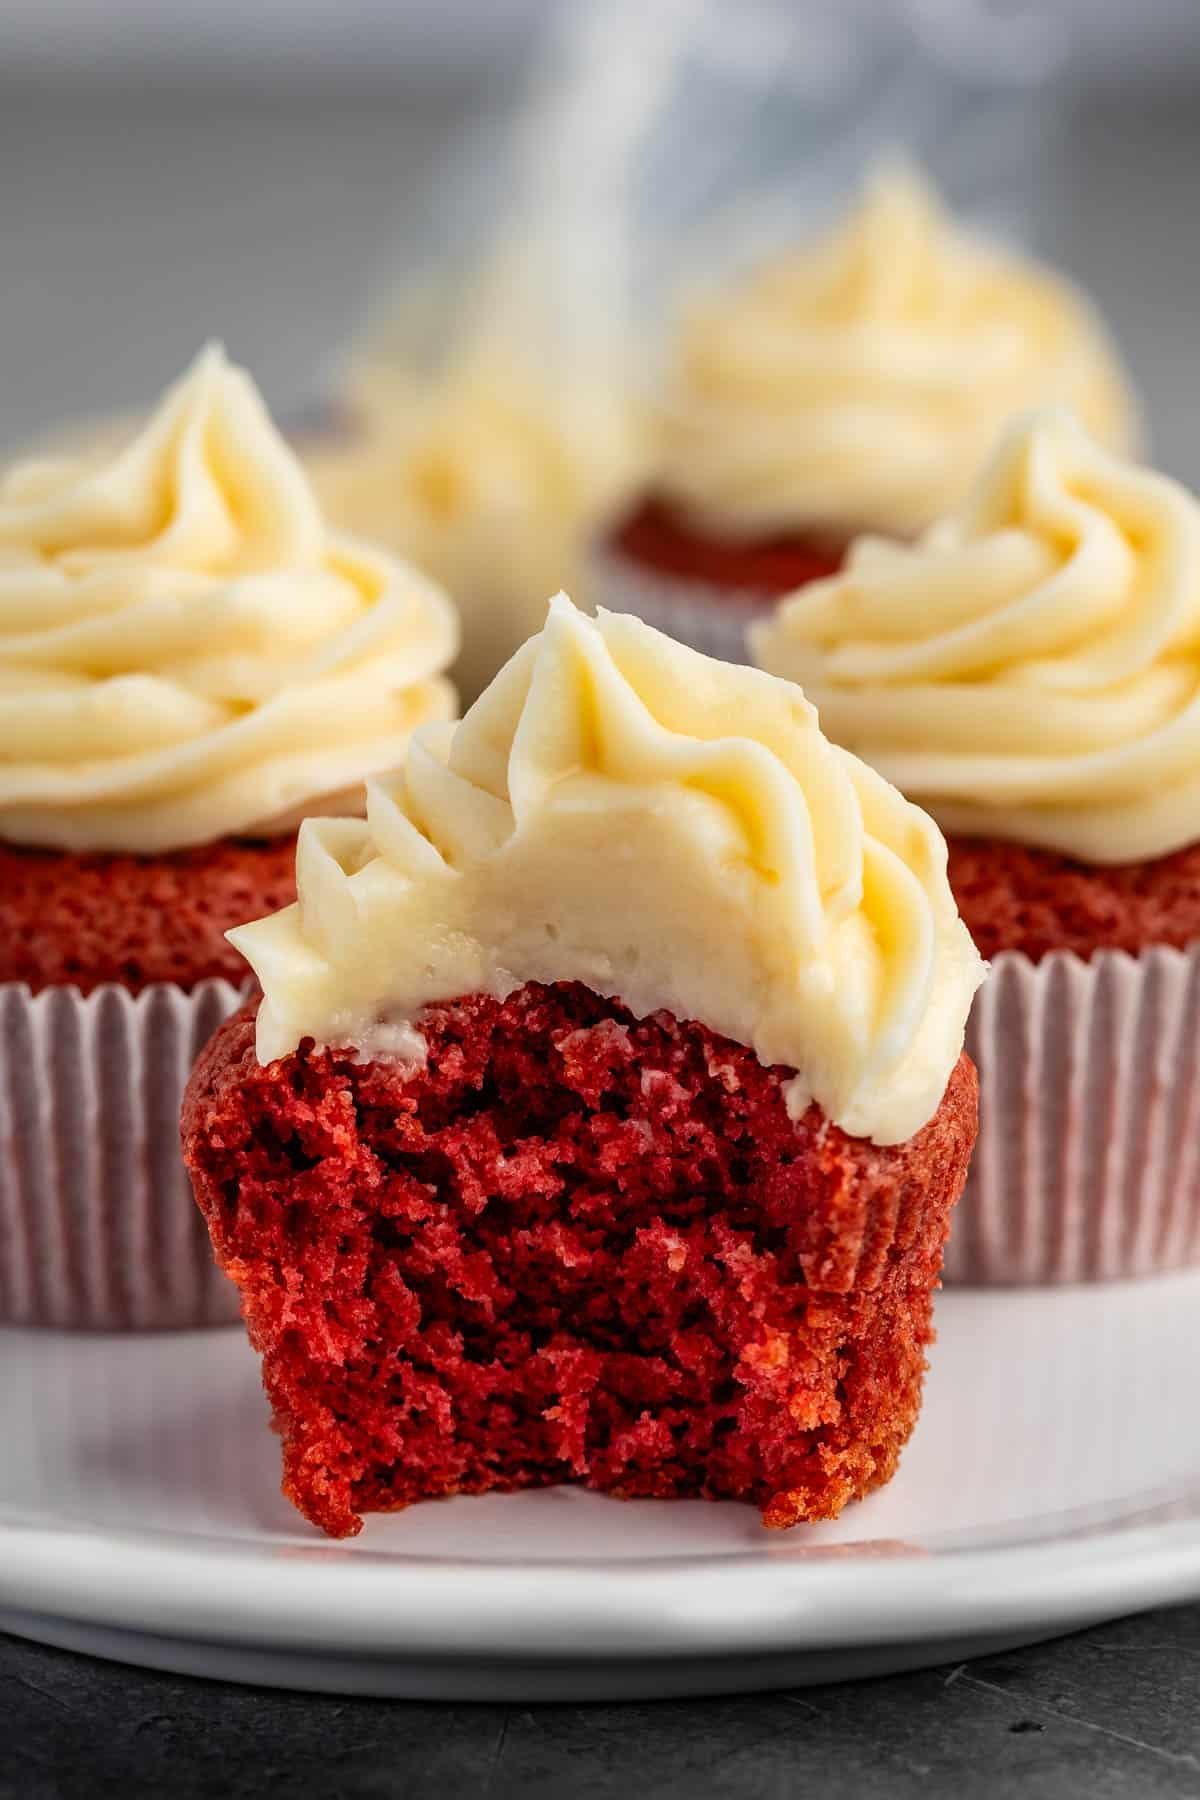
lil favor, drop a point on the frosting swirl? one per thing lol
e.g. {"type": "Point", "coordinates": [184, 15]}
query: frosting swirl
{"type": "Point", "coordinates": [860, 382]}
{"type": "Point", "coordinates": [489, 478]}
{"type": "Point", "coordinates": [186, 652]}
{"type": "Point", "coordinates": [621, 811]}
{"type": "Point", "coordinates": [1031, 669]}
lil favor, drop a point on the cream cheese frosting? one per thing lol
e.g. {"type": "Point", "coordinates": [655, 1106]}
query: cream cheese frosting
{"type": "Point", "coordinates": [488, 477]}
{"type": "Point", "coordinates": [859, 383]}
{"type": "Point", "coordinates": [1030, 670]}
{"type": "Point", "coordinates": [186, 651]}
{"type": "Point", "coordinates": [619, 810]}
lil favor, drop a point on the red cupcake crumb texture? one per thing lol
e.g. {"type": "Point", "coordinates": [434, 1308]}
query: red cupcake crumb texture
{"type": "Point", "coordinates": [656, 537]}
{"type": "Point", "coordinates": [574, 1247]}
{"type": "Point", "coordinates": [1012, 897]}
{"type": "Point", "coordinates": [88, 918]}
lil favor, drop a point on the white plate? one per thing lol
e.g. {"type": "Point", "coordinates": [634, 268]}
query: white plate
{"type": "Point", "coordinates": [1054, 1480]}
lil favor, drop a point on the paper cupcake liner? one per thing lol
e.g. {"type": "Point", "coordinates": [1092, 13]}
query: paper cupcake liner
{"type": "Point", "coordinates": [98, 1227]}
{"type": "Point", "coordinates": [711, 619]}
{"type": "Point", "coordinates": [1088, 1161]}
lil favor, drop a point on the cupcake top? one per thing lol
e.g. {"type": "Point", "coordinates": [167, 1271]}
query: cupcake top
{"type": "Point", "coordinates": [1030, 670]}
{"type": "Point", "coordinates": [860, 382]}
{"type": "Point", "coordinates": [186, 651]}
{"type": "Point", "coordinates": [668, 830]}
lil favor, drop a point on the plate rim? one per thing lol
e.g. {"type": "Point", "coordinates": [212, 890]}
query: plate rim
{"type": "Point", "coordinates": [350, 1605]}
{"type": "Point", "coordinates": [489, 1594]}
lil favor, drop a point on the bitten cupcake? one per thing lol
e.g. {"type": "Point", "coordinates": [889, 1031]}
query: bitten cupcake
{"type": "Point", "coordinates": [1030, 672]}
{"type": "Point", "coordinates": [604, 1109]}
{"type": "Point", "coordinates": [189, 660]}
{"type": "Point", "coordinates": [855, 385]}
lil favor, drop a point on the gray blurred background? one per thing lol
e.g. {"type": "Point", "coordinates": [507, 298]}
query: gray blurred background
{"type": "Point", "coordinates": [181, 169]}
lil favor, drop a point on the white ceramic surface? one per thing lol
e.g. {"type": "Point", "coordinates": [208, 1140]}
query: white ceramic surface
{"type": "Point", "coordinates": [1054, 1480]}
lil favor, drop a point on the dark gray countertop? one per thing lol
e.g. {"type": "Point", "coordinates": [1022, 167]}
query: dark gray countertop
{"type": "Point", "coordinates": [1109, 1712]}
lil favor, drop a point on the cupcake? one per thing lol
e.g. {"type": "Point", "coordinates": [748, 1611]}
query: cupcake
{"type": "Point", "coordinates": [1029, 672]}
{"type": "Point", "coordinates": [855, 385]}
{"type": "Point", "coordinates": [189, 660]}
{"type": "Point", "coordinates": [605, 1105]}
{"type": "Point", "coordinates": [490, 476]}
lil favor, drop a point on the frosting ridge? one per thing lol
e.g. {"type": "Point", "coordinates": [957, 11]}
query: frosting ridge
{"type": "Point", "coordinates": [621, 811]}
{"type": "Point", "coordinates": [859, 382]}
{"type": "Point", "coordinates": [186, 651]}
{"type": "Point", "coordinates": [1031, 668]}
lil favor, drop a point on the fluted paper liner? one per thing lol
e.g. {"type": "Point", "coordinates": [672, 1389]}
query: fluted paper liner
{"type": "Point", "coordinates": [1088, 1161]}
{"type": "Point", "coordinates": [710, 619]}
{"type": "Point", "coordinates": [1087, 1166]}
{"type": "Point", "coordinates": [98, 1227]}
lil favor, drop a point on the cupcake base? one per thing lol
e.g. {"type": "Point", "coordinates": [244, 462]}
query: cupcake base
{"type": "Point", "coordinates": [1088, 1051]}
{"type": "Point", "coordinates": [1088, 1162]}
{"type": "Point", "coordinates": [114, 972]}
{"type": "Point", "coordinates": [98, 1229]}
{"type": "Point", "coordinates": [87, 918]}
{"type": "Point", "coordinates": [703, 617]}
{"type": "Point", "coordinates": [656, 538]}
{"type": "Point", "coordinates": [1013, 897]}
{"type": "Point", "coordinates": [574, 1246]}
{"type": "Point", "coordinates": [697, 589]}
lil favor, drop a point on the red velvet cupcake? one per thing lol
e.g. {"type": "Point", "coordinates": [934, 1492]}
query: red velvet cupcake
{"type": "Point", "coordinates": [854, 385]}
{"type": "Point", "coordinates": [187, 660]}
{"type": "Point", "coordinates": [605, 1108]}
{"type": "Point", "coordinates": [493, 472]}
{"type": "Point", "coordinates": [1029, 672]}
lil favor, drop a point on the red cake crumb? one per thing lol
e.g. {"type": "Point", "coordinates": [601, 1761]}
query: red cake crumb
{"type": "Point", "coordinates": [655, 536]}
{"type": "Point", "coordinates": [87, 918]}
{"type": "Point", "coordinates": [1016, 898]}
{"type": "Point", "coordinates": [574, 1247]}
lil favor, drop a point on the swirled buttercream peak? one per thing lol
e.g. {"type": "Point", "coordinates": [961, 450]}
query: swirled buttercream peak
{"type": "Point", "coordinates": [676, 832]}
